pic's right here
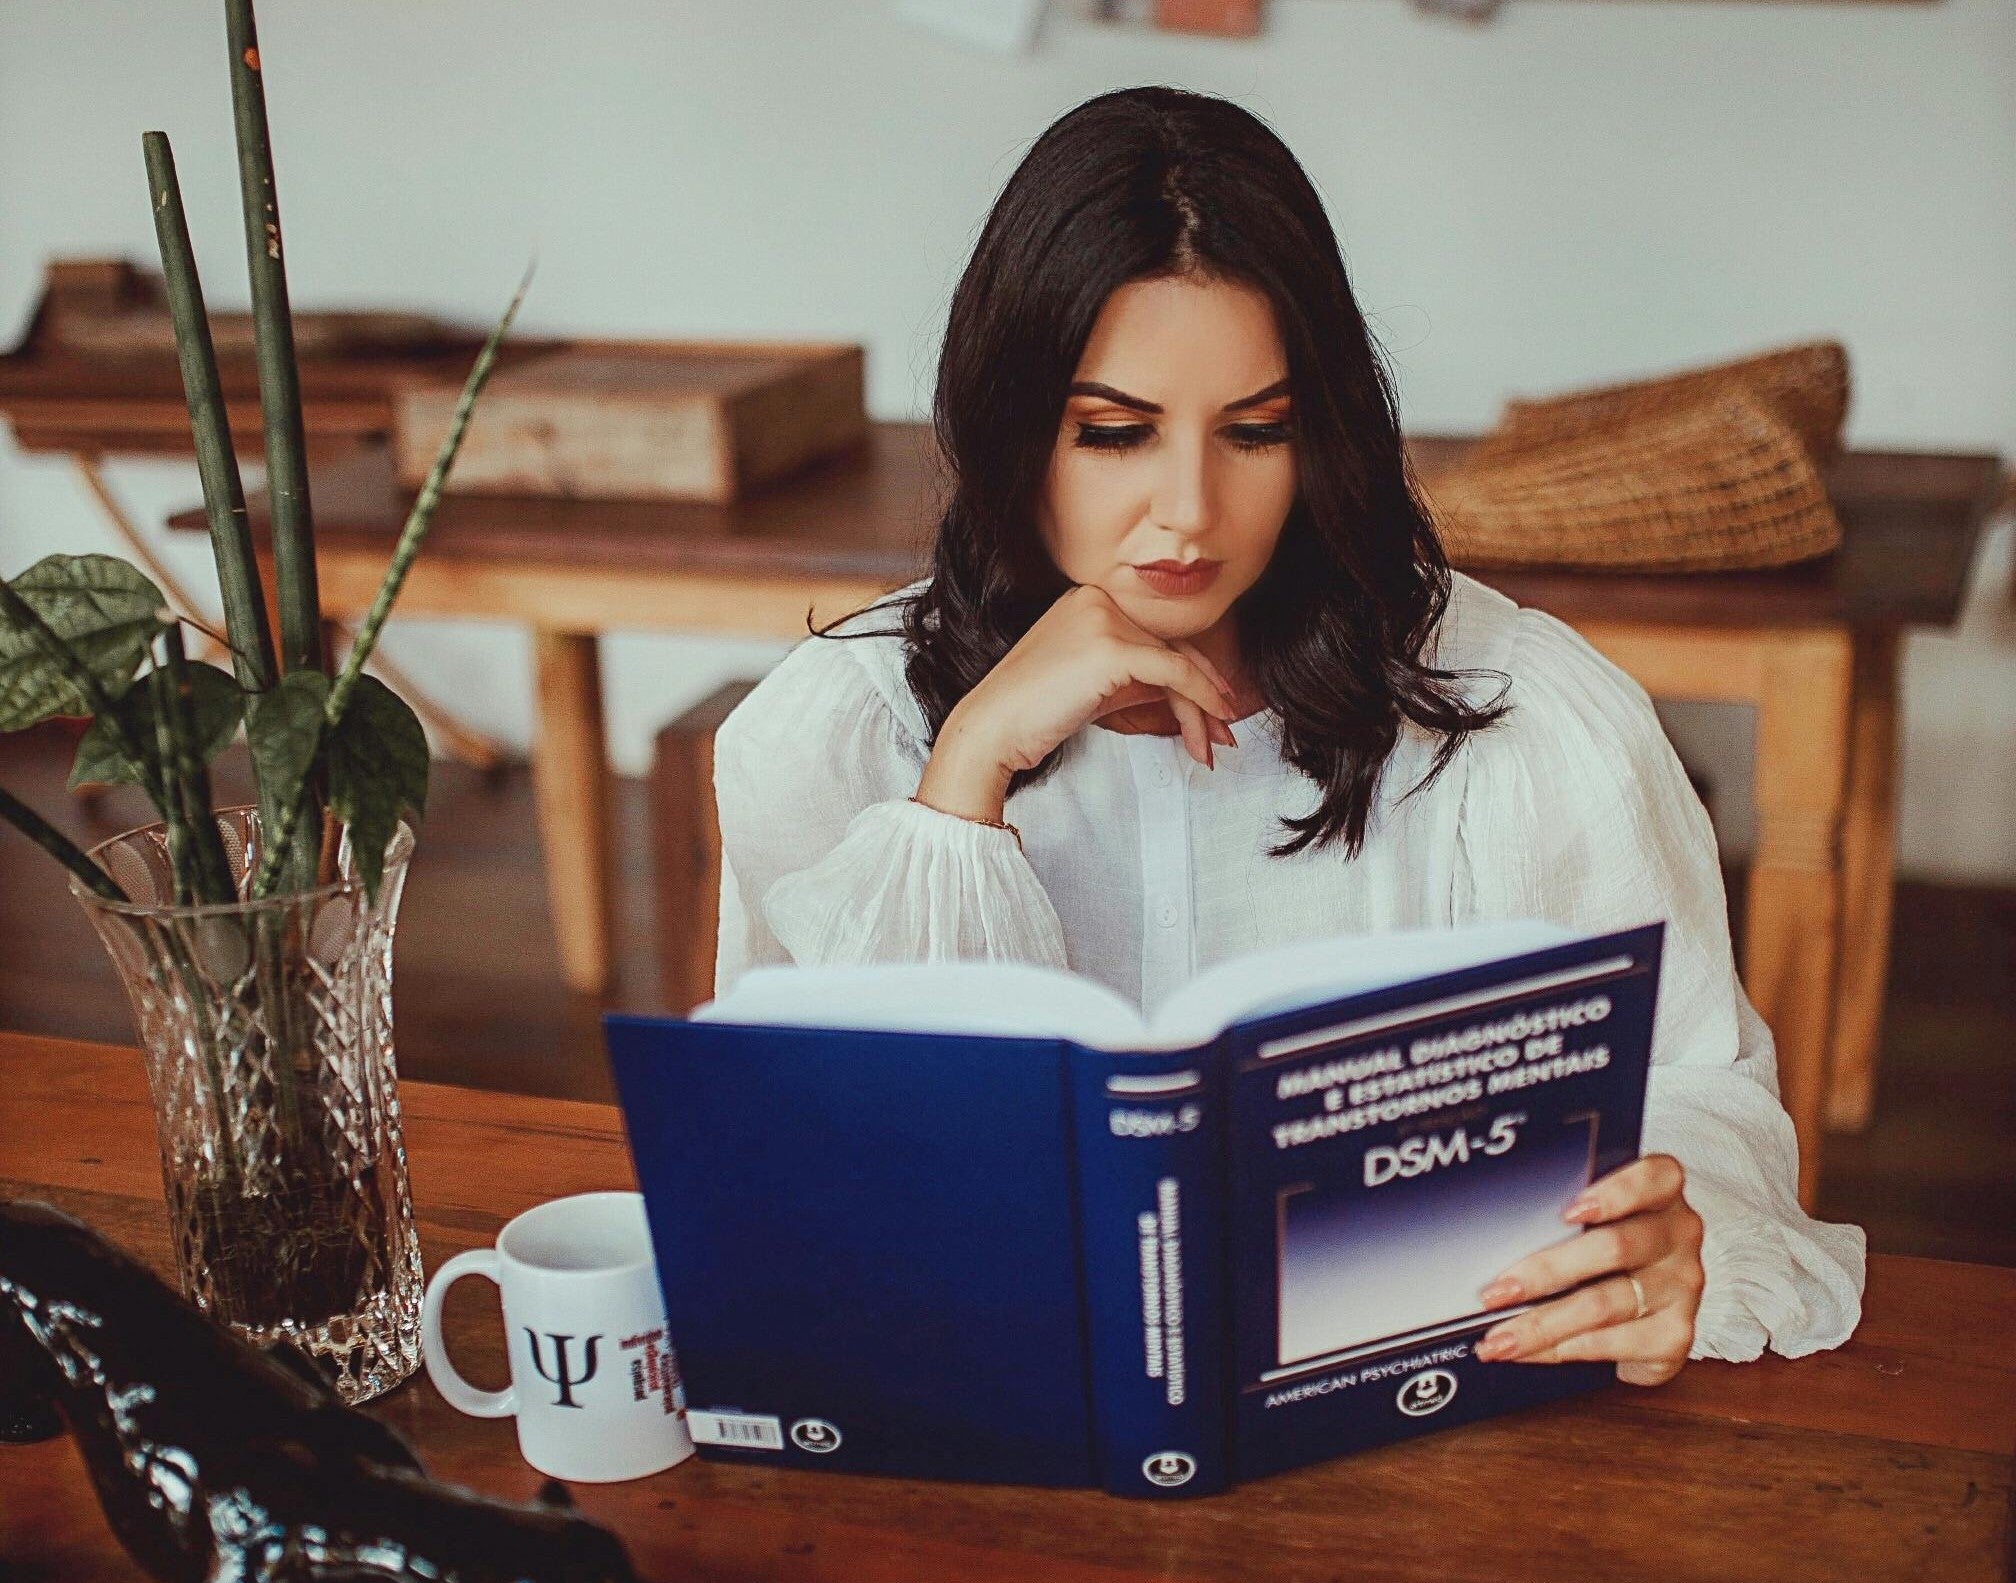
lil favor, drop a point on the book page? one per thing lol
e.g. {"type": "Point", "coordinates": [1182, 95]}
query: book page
{"type": "Point", "coordinates": [1308, 972]}
{"type": "Point", "coordinates": [1001, 999]}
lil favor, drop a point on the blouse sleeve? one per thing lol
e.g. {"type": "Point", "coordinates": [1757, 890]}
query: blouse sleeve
{"type": "Point", "coordinates": [1577, 810]}
{"type": "Point", "coordinates": [824, 858]}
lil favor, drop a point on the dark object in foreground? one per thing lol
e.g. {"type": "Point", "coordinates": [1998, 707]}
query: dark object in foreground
{"type": "Point", "coordinates": [180, 1423]}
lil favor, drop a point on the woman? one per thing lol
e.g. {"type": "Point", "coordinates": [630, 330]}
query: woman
{"type": "Point", "coordinates": [1189, 623]}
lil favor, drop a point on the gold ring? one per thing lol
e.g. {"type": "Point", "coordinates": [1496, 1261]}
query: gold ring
{"type": "Point", "coordinates": [1638, 1292]}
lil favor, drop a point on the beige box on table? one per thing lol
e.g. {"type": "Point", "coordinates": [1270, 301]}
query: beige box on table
{"type": "Point", "coordinates": [651, 420]}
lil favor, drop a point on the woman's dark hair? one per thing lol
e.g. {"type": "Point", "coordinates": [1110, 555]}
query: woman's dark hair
{"type": "Point", "coordinates": [1156, 182]}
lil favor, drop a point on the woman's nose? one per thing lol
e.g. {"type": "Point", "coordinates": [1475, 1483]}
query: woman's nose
{"type": "Point", "coordinates": [1182, 487]}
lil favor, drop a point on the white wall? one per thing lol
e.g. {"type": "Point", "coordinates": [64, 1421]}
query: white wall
{"type": "Point", "coordinates": [1576, 191]}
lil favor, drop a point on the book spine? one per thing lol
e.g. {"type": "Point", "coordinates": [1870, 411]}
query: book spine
{"type": "Point", "coordinates": [1150, 1136]}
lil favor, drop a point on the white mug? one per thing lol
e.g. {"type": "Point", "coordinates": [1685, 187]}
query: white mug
{"type": "Point", "coordinates": [594, 1381]}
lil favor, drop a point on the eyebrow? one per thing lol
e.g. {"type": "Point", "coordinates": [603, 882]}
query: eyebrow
{"type": "Point", "coordinates": [1122, 399]}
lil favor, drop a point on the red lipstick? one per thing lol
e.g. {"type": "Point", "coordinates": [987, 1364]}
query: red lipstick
{"type": "Point", "coordinates": [1176, 579]}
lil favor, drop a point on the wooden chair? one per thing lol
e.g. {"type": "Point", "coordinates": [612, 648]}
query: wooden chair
{"type": "Point", "coordinates": [686, 847]}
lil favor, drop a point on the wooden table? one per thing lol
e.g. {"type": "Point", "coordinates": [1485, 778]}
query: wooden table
{"type": "Point", "coordinates": [1887, 1458]}
{"type": "Point", "coordinates": [1813, 648]}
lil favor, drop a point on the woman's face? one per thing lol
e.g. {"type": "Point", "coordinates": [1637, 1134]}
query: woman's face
{"type": "Point", "coordinates": [1175, 447]}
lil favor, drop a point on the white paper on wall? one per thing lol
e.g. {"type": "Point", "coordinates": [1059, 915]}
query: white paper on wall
{"type": "Point", "coordinates": [1007, 27]}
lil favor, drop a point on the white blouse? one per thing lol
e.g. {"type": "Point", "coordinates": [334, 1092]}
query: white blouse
{"type": "Point", "coordinates": [1143, 868]}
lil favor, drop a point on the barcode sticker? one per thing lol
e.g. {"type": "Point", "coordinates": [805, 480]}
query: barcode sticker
{"type": "Point", "coordinates": [751, 1431]}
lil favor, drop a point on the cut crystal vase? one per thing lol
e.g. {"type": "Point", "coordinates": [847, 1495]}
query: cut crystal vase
{"type": "Point", "coordinates": [266, 1027]}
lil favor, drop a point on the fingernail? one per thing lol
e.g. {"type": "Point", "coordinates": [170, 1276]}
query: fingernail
{"type": "Point", "coordinates": [1581, 1211]}
{"type": "Point", "coordinates": [1495, 1345]}
{"type": "Point", "coordinates": [1502, 1290]}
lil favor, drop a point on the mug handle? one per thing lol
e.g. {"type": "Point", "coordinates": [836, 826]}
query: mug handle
{"type": "Point", "coordinates": [458, 1392]}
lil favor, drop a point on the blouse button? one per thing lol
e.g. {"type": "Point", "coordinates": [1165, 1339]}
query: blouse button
{"type": "Point", "coordinates": [1165, 915]}
{"type": "Point", "coordinates": [1161, 774]}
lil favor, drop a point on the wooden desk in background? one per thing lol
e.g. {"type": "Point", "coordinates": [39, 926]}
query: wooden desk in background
{"type": "Point", "coordinates": [1813, 648]}
{"type": "Point", "coordinates": [1887, 1458]}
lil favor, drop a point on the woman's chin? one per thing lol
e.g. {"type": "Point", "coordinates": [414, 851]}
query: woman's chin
{"type": "Point", "coordinates": [1168, 619]}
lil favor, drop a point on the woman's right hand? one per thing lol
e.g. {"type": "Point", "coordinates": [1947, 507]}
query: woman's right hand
{"type": "Point", "coordinates": [1083, 658]}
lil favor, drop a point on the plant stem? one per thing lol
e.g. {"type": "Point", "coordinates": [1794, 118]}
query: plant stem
{"type": "Point", "coordinates": [210, 876]}
{"type": "Point", "coordinates": [206, 629]}
{"type": "Point", "coordinates": [415, 531]}
{"type": "Point", "coordinates": [279, 847]}
{"type": "Point", "coordinates": [223, 494]}
{"type": "Point", "coordinates": [332, 840]}
{"type": "Point", "coordinates": [59, 846]}
{"type": "Point", "coordinates": [291, 515]}
{"type": "Point", "coordinates": [174, 809]}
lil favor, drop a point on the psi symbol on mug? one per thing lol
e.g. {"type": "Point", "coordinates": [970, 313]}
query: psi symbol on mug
{"type": "Point", "coordinates": [559, 1376]}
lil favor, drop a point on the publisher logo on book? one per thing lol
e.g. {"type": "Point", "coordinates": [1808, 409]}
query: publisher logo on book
{"type": "Point", "coordinates": [815, 1434]}
{"type": "Point", "coordinates": [1169, 1468]}
{"type": "Point", "coordinates": [1427, 1392]}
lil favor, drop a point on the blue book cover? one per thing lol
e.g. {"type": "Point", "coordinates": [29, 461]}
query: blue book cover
{"type": "Point", "coordinates": [1160, 1266]}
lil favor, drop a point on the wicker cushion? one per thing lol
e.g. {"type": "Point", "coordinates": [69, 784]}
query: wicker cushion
{"type": "Point", "coordinates": [1710, 469]}
{"type": "Point", "coordinates": [1717, 484]}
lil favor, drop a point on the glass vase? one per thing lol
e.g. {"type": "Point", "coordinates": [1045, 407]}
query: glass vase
{"type": "Point", "coordinates": [266, 1027]}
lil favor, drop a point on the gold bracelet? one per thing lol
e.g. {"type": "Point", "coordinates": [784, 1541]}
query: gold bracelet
{"type": "Point", "coordinates": [992, 824]}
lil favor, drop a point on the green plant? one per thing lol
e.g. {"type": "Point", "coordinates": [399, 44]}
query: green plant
{"type": "Point", "coordinates": [332, 750]}
{"type": "Point", "coordinates": [91, 635]}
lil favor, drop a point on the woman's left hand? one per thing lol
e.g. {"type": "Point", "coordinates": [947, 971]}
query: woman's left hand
{"type": "Point", "coordinates": [1639, 1226]}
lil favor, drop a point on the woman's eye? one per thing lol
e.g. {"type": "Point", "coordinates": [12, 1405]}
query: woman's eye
{"type": "Point", "coordinates": [1258, 436]}
{"type": "Point", "coordinates": [1110, 436]}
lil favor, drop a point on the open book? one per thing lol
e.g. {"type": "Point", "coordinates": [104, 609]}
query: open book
{"type": "Point", "coordinates": [1010, 999]}
{"type": "Point", "coordinates": [983, 1220]}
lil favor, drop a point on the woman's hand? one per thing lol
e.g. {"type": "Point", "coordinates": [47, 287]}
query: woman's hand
{"type": "Point", "coordinates": [1082, 658]}
{"type": "Point", "coordinates": [1163, 713]}
{"type": "Point", "coordinates": [1639, 1225]}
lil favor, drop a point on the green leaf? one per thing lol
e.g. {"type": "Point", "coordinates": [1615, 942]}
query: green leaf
{"type": "Point", "coordinates": [283, 727]}
{"type": "Point", "coordinates": [377, 770]}
{"type": "Point", "coordinates": [103, 609]}
{"type": "Point", "coordinates": [219, 706]}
